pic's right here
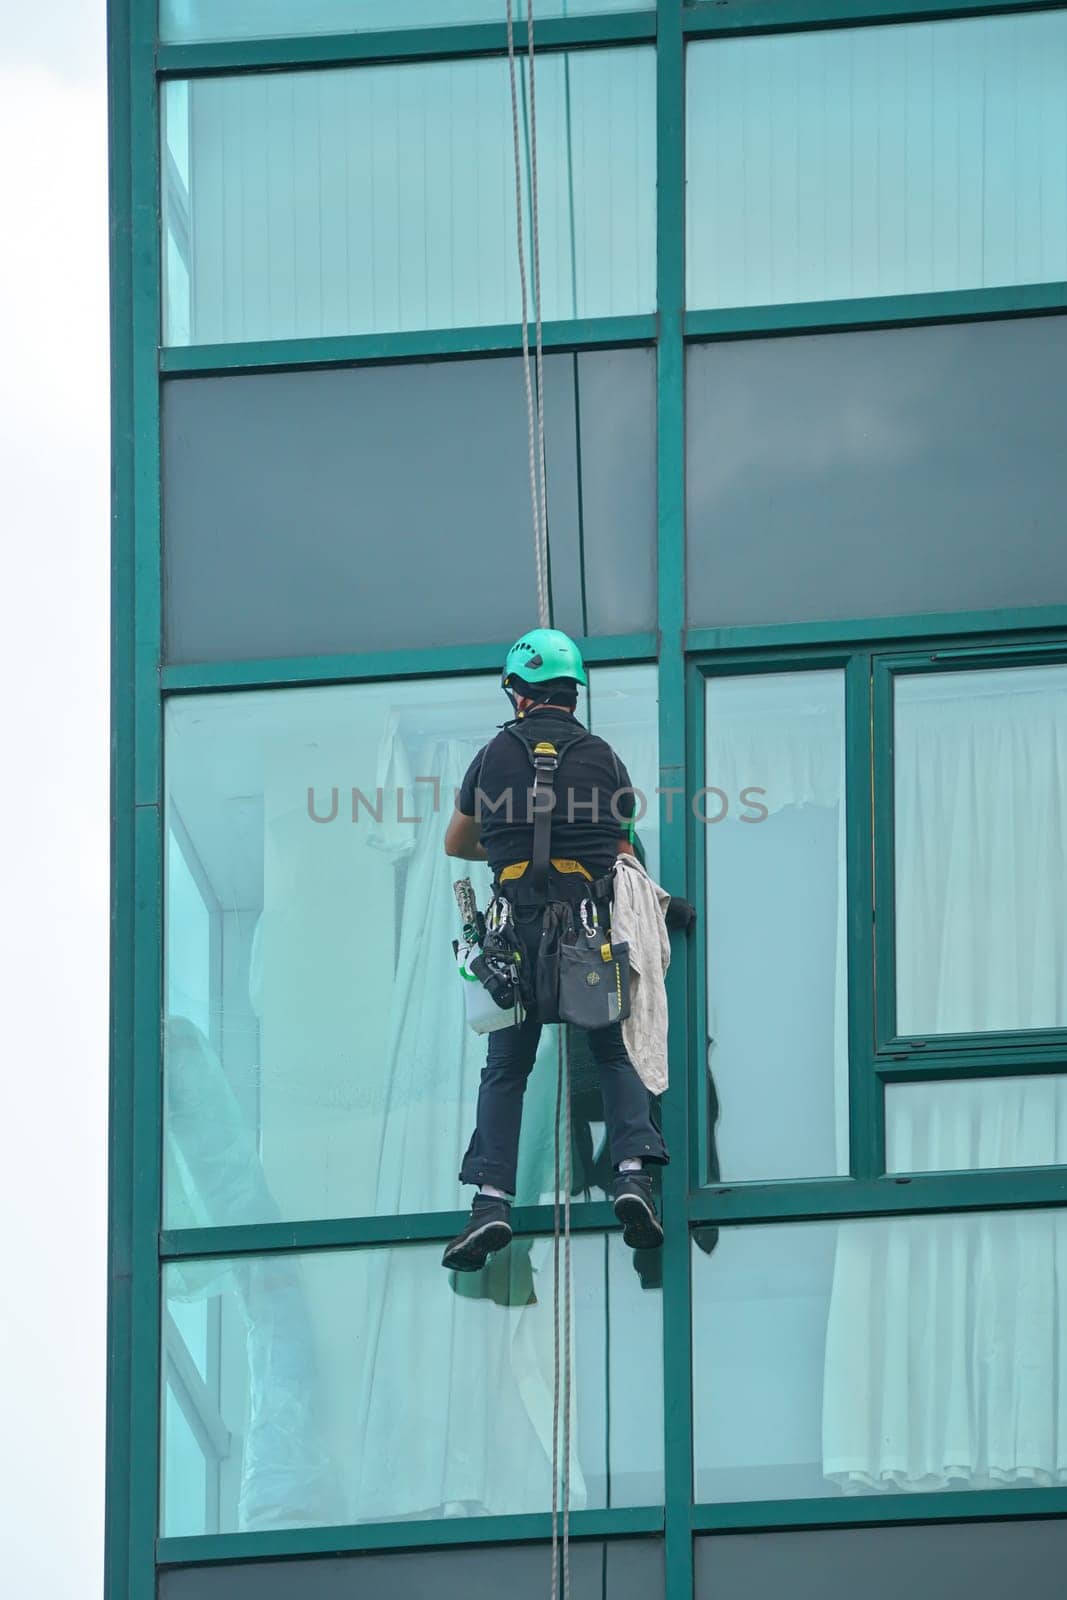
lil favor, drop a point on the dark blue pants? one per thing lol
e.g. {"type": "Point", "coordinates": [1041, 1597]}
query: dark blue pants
{"type": "Point", "coordinates": [492, 1156]}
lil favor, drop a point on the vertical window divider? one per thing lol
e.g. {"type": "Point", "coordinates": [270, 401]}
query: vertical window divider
{"type": "Point", "coordinates": [670, 448]}
{"type": "Point", "coordinates": [882, 811]}
{"type": "Point", "coordinates": [866, 1134]}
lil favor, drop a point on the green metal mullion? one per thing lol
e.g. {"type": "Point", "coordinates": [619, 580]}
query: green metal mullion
{"type": "Point", "coordinates": [885, 956]}
{"type": "Point", "coordinates": [616, 649]}
{"type": "Point", "coordinates": [118, 1446]}
{"type": "Point", "coordinates": [305, 51]}
{"type": "Point", "coordinates": [438, 1534]}
{"type": "Point", "coordinates": [866, 1136]}
{"type": "Point", "coordinates": [348, 1233]}
{"type": "Point", "coordinates": [133, 1358]}
{"type": "Point", "coordinates": [829, 1199]}
{"type": "Point", "coordinates": [670, 476]}
{"type": "Point", "coordinates": [782, 16]}
{"type": "Point", "coordinates": [919, 1067]}
{"type": "Point", "coordinates": [989, 627]}
{"type": "Point", "coordinates": [877, 311]}
{"type": "Point", "coordinates": [505, 338]}
{"type": "Point", "coordinates": [876, 1510]}
{"type": "Point", "coordinates": [701, 1171]}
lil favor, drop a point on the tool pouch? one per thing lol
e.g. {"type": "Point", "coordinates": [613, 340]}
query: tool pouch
{"type": "Point", "coordinates": [593, 975]}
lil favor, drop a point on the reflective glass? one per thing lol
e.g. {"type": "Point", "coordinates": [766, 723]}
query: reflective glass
{"type": "Point", "coordinates": [777, 979]}
{"type": "Point", "coordinates": [368, 1385]}
{"type": "Point", "coordinates": [335, 1075]}
{"type": "Point", "coordinates": [876, 473]}
{"type": "Point", "coordinates": [182, 21]}
{"type": "Point", "coordinates": [887, 1356]}
{"type": "Point", "coordinates": [624, 1569]}
{"type": "Point", "coordinates": [877, 161]}
{"type": "Point", "coordinates": [980, 774]}
{"type": "Point", "coordinates": [295, 502]}
{"type": "Point", "coordinates": [381, 199]}
{"type": "Point", "coordinates": [976, 1123]}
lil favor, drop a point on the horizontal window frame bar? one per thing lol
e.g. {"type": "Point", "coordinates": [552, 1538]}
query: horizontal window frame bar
{"type": "Point", "coordinates": [875, 311]}
{"type": "Point", "coordinates": [217, 1549]}
{"type": "Point", "coordinates": [381, 349]}
{"type": "Point", "coordinates": [987, 628]}
{"type": "Point", "coordinates": [971, 1065]}
{"type": "Point", "coordinates": [385, 666]}
{"type": "Point", "coordinates": [304, 52]}
{"type": "Point", "coordinates": [876, 1510]}
{"type": "Point", "coordinates": [853, 1199]}
{"type": "Point", "coordinates": [360, 1233]}
{"type": "Point", "coordinates": [731, 18]}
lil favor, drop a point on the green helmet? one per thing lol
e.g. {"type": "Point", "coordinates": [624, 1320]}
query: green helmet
{"type": "Point", "coordinates": [543, 655]}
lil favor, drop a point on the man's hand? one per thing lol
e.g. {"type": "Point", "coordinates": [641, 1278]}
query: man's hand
{"type": "Point", "coordinates": [463, 838]}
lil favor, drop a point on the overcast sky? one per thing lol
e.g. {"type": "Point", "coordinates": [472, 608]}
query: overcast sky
{"type": "Point", "coordinates": [53, 795]}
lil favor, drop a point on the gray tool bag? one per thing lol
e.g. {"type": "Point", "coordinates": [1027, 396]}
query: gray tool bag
{"type": "Point", "coordinates": [594, 974]}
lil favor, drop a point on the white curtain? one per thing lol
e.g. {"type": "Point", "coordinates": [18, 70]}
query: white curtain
{"type": "Point", "coordinates": [946, 1355]}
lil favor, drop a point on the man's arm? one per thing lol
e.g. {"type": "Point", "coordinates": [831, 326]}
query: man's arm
{"type": "Point", "coordinates": [463, 838]}
{"type": "Point", "coordinates": [625, 848]}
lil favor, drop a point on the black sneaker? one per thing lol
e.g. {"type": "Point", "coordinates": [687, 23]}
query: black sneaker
{"type": "Point", "coordinates": [488, 1231]}
{"type": "Point", "coordinates": [636, 1210]}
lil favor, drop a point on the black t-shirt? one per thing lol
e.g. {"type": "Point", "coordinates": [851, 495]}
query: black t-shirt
{"type": "Point", "coordinates": [594, 799]}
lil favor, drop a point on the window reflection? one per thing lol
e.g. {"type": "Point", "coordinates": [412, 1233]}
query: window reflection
{"type": "Point", "coordinates": [976, 1124]}
{"type": "Point", "coordinates": [371, 1385]}
{"type": "Point", "coordinates": [328, 1069]}
{"type": "Point", "coordinates": [885, 1356]}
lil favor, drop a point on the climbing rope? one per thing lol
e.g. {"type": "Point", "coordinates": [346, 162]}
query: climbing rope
{"type": "Point", "coordinates": [535, 422]}
{"type": "Point", "coordinates": [535, 415]}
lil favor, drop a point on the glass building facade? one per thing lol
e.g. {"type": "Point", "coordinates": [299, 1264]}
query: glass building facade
{"type": "Point", "coordinates": [804, 281]}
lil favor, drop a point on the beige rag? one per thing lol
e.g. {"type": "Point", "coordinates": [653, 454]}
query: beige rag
{"type": "Point", "coordinates": [638, 920]}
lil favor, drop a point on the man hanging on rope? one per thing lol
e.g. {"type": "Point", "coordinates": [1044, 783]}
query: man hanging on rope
{"type": "Point", "coordinates": [591, 822]}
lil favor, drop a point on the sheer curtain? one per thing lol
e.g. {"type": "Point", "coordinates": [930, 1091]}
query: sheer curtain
{"type": "Point", "coordinates": [946, 1356]}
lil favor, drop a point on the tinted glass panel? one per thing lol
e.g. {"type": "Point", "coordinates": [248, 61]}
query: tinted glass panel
{"type": "Point", "coordinates": [881, 1357]}
{"type": "Point", "coordinates": [876, 161]}
{"type": "Point", "coordinates": [777, 993]}
{"type": "Point", "coordinates": [371, 1384]}
{"type": "Point", "coordinates": [863, 474]}
{"type": "Point", "coordinates": [375, 508]}
{"type": "Point", "coordinates": [980, 764]}
{"type": "Point", "coordinates": [630, 1569]}
{"type": "Point", "coordinates": [382, 198]}
{"type": "Point", "coordinates": [181, 20]}
{"type": "Point", "coordinates": [983, 1561]}
{"type": "Point", "coordinates": [333, 1072]}
{"type": "Point", "coordinates": [978, 1123]}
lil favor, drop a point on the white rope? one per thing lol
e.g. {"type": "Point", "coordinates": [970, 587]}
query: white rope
{"type": "Point", "coordinates": [539, 511]}
{"type": "Point", "coordinates": [535, 420]}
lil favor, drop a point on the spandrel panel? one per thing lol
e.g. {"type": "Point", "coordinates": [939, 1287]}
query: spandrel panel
{"type": "Point", "coordinates": [876, 473]}
{"type": "Point", "coordinates": [381, 199]}
{"type": "Point", "coordinates": [372, 1385]}
{"type": "Point", "coordinates": [328, 1070]}
{"type": "Point", "coordinates": [384, 508]}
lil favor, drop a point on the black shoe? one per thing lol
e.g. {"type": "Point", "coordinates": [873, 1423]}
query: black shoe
{"type": "Point", "coordinates": [488, 1231]}
{"type": "Point", "coordinates": [636, 1210]}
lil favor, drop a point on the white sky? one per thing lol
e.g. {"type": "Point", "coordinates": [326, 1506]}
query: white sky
{"type": "Point", "coordinates": [53, 795]}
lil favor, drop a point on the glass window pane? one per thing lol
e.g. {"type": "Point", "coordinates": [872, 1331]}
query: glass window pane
{"type": "Point", "coordinates": [341, 1077]}
{"type": "Point", "coordinates": [339, 1409]}
{"type": "Point", "coordinates": [982, 1560]}
{"type": "Point", "coordinates": [776, 925]}
{"type": "Point", "coordinates": [877, 473]}
{"type": "Point", "coordinates": [295, 502]}
{"type": "Point", "coordinates": [976, 1123]}
{"type": "Point", "coordinates": [980, 772]}
{"type": "Point", "coordinates": [880, 1357]}
{"type": "Point", "coordinates": [624, 1569]}
{"type": "Point", "coordinates": [380, 199]}
{"type": "Point", "coordinates": [876, 161]}
{"type": "Point", "coordinates": [181, 21]}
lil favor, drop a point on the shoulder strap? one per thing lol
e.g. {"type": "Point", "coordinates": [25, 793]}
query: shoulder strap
{"type": "Point", "coordinates": [545, 759]}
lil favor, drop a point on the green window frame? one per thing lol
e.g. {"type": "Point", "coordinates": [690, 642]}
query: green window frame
{"type": "Point", "coordinates": [141, 682]}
